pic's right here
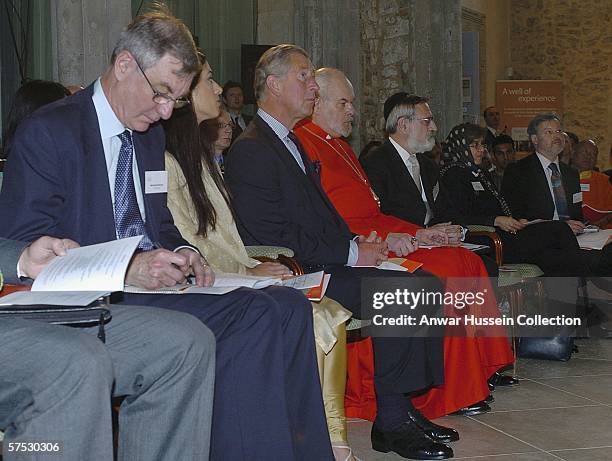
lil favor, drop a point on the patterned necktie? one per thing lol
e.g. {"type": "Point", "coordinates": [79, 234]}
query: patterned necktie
{"type": "Point", "coordinates": [415, 169]}
{"type": "Point", "coordinates": [558, 192]}
{"type": "Point", "coordinates": [236, 121]}
{"type": "Point", "coordinates": [128, 220]}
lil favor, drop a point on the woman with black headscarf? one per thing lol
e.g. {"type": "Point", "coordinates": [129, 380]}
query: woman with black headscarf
{"type": "Point", "coordinates": [549, 244]}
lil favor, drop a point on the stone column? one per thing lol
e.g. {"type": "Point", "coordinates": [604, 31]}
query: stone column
{"type": "Point", "coordinates": [413, 46]}
{"type": "Point", "coordinates": [329, 31]}
{"type": "Point", "coordinates": [275, 22]}
{"type": "Point", "coordinates": [84, 33]}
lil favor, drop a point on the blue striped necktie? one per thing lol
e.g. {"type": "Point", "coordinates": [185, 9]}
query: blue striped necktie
{"type": "Point", "coordinates": [558, 192]}
{"type": "Point", "coordinates": [128, 220]}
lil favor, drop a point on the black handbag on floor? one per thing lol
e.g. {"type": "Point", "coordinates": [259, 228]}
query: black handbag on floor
{"type": "Point", "coordinates": [557, 347]}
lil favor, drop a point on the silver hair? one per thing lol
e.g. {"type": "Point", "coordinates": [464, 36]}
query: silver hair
{"type": "Point", "coordinates": [151, 36]}
{"type": "Point", "coordinates": [403, 108]}
{"type": "Point", "coordinates": [275, 61]}
{"type": "Point", "coordinates": [325, 75]}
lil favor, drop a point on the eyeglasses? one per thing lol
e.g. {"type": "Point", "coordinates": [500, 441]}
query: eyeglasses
{"type": "Point", "coordinates": [223, 126]}
{"type": "Point", "coordinates": [164, 98]}
{"type": "Point", "coordinates": [478, 145]}
{"type": "Point", "coordinates": [425, 120]}
{"type": "Point", "coordinates": [551, 132]}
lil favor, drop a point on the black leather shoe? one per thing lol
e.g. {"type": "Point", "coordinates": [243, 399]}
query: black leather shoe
{"type": "Point", "coordinates": [473, 410]}
{"type": "Point", "coordinates": [503, 380]}
{"type": "Point", "coordinates": [410, 442]}
{"type": "Point", "coordinates": [436, 432]}
{"type": "Point", "coordinates": [489, 399]}
{"type": "Point", "coordinates": [491, 386]}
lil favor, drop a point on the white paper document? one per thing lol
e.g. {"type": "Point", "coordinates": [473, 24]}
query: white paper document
{"type": "Point", "coordinates": [225, 282]}
{"type": "Point", "coordinates": [595, 240]}
{"type": "Point", "coordinates": [91, 268]}
{"type": "Point", "coordinates": [389, 266]}
{"type": "Point", "coordinates": [467, 246]}
{"type": "Point", "coordinates": [55, 298]}
{"type": "Point", "coordinates": [473, 246]}
{"type": "Point", "coordinates": [81, 276]}
{"type": "Point", "coordinates": [316, 294]}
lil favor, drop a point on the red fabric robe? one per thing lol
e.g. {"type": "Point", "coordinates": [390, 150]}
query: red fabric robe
{"type": "Point", "coordinates": [468, 361]}
{"type": "Point", "coordinates": [596, 195]}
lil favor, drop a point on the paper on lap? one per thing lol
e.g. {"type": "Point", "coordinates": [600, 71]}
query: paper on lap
{"type": "Point", "coordinates": [80, 277]}
{"type": "Point", "coordinates": [225, 282]}
{"type": "Point", "coordinates": [595, 240]}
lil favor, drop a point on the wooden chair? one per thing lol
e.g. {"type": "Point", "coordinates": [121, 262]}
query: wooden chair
{"type": "Point", "coordinates": [513, 279]}
{"type": "Point", "coordinates": [276, 254]}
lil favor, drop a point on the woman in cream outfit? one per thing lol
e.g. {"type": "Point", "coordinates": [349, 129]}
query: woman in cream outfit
{"type": "Point", "coordinates": [192, 171]}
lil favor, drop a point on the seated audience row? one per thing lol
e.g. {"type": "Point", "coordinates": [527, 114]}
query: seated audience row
{"type": "Point", "coordinates": [201, 208]}
{"type": "Point", "coordinates": [347, 187]}
{"type": "Point", "coordinates": [77, 170]}
{"type": "Point", "coordinates": [81, 170]}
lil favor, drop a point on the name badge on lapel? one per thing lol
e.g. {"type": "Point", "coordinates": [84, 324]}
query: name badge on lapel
{"type": "Point", "coordinates": [156, 182]}
{"type": "Point", "coordinates": [585, 187]}
{"type": "Point", "coordinates": [577, 197]}
{"type": "Point", "coordinates": [476, 185]}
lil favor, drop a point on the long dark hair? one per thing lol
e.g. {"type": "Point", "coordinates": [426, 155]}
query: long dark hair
{"type": "Point", "coordinates": [29, 97]}
{"type": "Point", "coordinates": [186, 142]}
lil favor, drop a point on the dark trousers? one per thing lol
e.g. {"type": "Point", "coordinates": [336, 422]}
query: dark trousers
{"type": "Point", "coordinates": [268, 403]}
{"type": "Point", "coordinates": [401, 364]}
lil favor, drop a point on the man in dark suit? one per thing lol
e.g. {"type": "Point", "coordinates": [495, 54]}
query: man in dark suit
{"type": "Point", "coordinates": [233, 97]}
{"type": "Point", "coordinates": [56, 382]}
{"type": "Point", "coordinates": [492, 121]}
{"type": "Point", "coordinates": [91, 168]}
{"type": "Point", "coordinates": [403, 177]}
{"type": "Point", "coordinates": [279, 201]}
{"type": "Point", "coordinates": [542, 187]}
{"type": "Point", "coordinates": [502, 154]}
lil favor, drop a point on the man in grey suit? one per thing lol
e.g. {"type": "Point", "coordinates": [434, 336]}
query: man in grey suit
{"type": "Point", "coordinates": [56, 382]}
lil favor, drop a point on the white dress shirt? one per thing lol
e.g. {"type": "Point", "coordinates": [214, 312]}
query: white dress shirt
{"type": "Point", "coordinates": [405, 155]}
{"type": "Point", "coordinates": [110, 129]}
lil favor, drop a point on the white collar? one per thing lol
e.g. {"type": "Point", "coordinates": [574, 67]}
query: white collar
{"type": "Point", "coordinates": [404, 154]}
{"type": "Point", "coordinates": [281, 130]}
{"type": "Point", "coordinates": [109, 124]}
{"type": "Point", "coordinates": [545, 162]}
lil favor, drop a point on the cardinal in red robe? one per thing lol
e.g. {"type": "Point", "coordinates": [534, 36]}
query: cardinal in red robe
{"type": "Point", "coordinates": [468, 360]}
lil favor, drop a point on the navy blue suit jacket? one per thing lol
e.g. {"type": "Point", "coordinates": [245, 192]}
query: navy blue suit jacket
{"type": "Point", "coordinates": [56, 181]}
{"type": "Point", "coordinates": [277, 204]}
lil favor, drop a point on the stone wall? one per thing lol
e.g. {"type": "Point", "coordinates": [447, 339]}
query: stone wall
{"type": "Point", "coordinates": [414, 46]}
{"type": "Point", "coordinates": [84, 33]}
{"type": "Point", "coordinates": [384, 46]}
{"type": "Point", "coordinates": [571, 41]}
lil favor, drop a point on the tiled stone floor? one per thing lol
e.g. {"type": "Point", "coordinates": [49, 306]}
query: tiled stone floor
{"type": "Point", "coordinates": [560, 411]}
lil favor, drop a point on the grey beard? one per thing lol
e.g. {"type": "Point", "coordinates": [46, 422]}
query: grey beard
{"type": "Point", "coordinates": [417, 148]}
